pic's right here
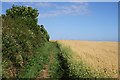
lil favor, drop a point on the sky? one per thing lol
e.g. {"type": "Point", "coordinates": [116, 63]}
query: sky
{"type": "Point", "coordinates": [97, 21]}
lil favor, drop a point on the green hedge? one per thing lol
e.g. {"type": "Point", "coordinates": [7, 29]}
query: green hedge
{"type": "Point", "coordinates": [20, 37]}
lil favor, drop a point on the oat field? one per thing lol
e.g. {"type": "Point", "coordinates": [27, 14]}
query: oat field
{"type": "Point", "coordinates": [101, 56]}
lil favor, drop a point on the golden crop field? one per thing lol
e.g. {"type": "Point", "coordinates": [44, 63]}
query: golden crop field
{"type": "Point", "coordinates": [98, 55]}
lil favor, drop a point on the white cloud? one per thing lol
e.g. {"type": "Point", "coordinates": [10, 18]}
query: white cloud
{"type": "Point", "coordinates": [59, 8]}
{"type": "Point", "coordinates": [45, 4]}
{"type": "Point", "coordinates": [76, 8]}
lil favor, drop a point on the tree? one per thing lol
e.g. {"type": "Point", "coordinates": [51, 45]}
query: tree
{"type": "Point", "coordinates": [45, 32]}
{"type": "Point", "coordinates": [21, 36]}
{"type": "Point", "coordinates": [22, 11]}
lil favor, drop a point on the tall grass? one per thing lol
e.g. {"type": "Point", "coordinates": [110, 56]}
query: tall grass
{"type": "Point", "coordinates": [55, 71]}
{"type": "Point", "coordinates": [36, 62]}
{"type": "Point", "coordinates": [45, 55]}
{"type": "Point", "coordinates": [100, 56]}
{"type": "Point", "coordinates": [77, 68]}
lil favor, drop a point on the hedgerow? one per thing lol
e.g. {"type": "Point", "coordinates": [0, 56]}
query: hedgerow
{"type": "Point", "coordinates": [21, 36]}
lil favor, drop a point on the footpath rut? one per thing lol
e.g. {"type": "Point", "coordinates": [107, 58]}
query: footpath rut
{"type": "Point", "coordinates": [44, 73]}
{"type": "Point", "coordinates": [63, 64]}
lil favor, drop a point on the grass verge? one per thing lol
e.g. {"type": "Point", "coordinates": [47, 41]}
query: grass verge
{"type": "Point", "coordinates": [45, 55]}
{"type": "Point", "coordinates": [36, 62]}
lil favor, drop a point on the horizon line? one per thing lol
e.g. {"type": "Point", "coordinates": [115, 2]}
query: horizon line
{"type": "Point", "coordinates": [88, 40]}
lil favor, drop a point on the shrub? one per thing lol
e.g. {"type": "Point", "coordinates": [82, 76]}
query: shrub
{"type": "Point", "coordinates": [21, 35]}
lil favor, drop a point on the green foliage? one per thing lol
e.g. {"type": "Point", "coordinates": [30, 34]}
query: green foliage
{"type": "Point", "coordinates": [21, 35]}
{"type": "Point", "coordinates": [45, 55]}
{"type": "Point", "coordinates": [26, 49]}
{"type": "Point", "coordinates": [55, 70]}
{"type": "Point", "coordinates": [45, 32]}
{"type": "Point", "coordinates": [22, 11]}
{"type": "Point", "coordinates": [36, 62]}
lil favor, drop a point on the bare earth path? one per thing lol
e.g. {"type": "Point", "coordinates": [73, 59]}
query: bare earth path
{"type": "Point", "coordinates": [45, 72]}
